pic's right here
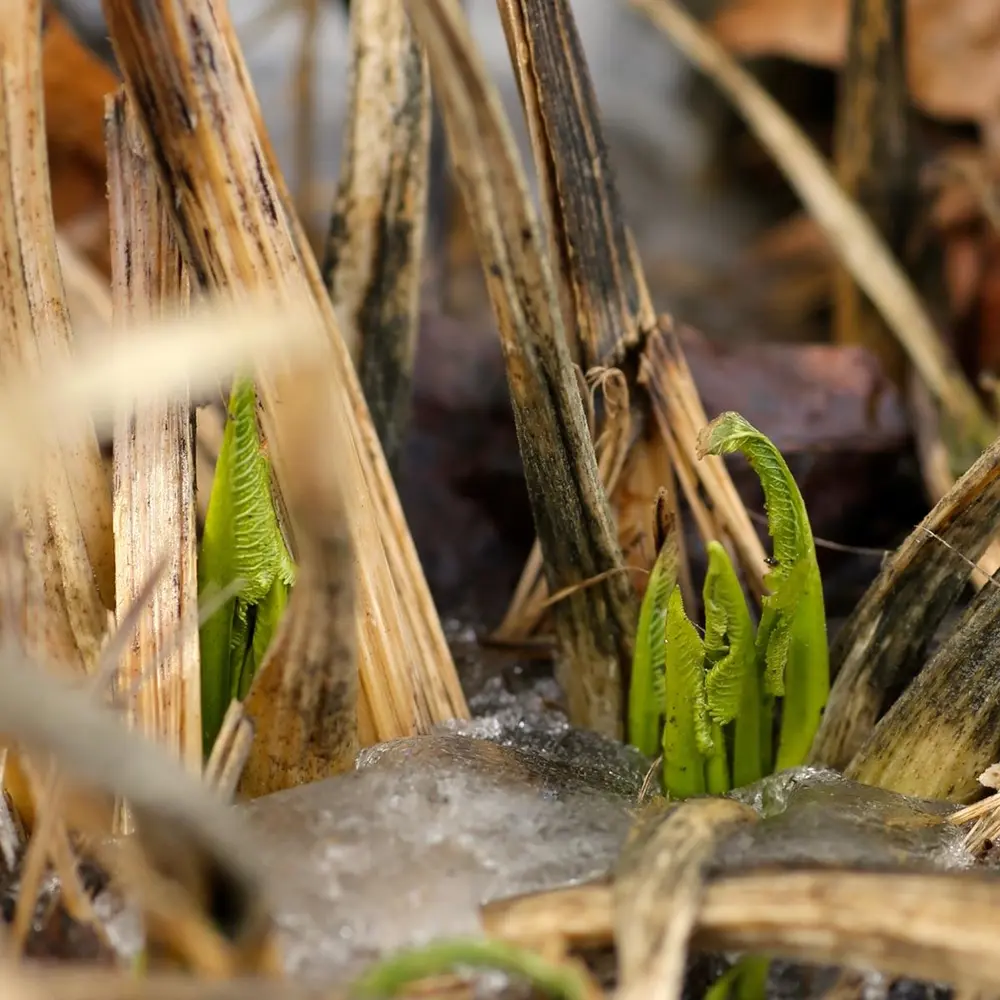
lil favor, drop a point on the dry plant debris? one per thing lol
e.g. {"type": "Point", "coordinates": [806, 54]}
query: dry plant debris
{"type": "Point", "coordinates": [237, 237]}
{"type": "Point", "coordinates": [953, 46]}
{"type": "Point", "coordinates": [154, 461]}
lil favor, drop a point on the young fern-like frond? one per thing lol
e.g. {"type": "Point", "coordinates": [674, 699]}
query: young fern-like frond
{"type": "Point", "coordinates": [733, 690]}
{"type": "Point", "coordinates": [791, 640]}
{"type": "Point", "coordinates": [242, 541]}
{"type": "Point", "coordinates": [729, 637]}
{"type": "Point", "coordinates": [647, 689]}
{"type": "Point", "coordinates": [687, 732]}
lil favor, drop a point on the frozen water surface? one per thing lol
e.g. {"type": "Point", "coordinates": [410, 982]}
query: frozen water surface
{"type": "Point", "coordinates": [406, 848]}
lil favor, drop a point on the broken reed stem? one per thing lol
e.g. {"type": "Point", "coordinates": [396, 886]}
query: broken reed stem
{"type": "Point", "coordinates": [197, 109]}
{"type": "Point", "coordinates": [65, 510]}
{"type": "Point", "coordinates": [873, 161]}
{"type": "Point", "coordinates": [572, 517]}
{"type": "Point", "coordinates": [375, 246]}
{"type": "Point", "coordinates": [607, 309]}
{"type": "Point", "coordinates": [154, 510]}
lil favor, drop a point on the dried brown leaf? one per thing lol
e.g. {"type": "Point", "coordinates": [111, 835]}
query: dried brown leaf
{"type": "Point", "coordinates": [953, 46]}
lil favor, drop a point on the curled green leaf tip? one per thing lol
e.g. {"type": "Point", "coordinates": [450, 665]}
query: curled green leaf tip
{"type": "Point", "coordinates": [791, 644]}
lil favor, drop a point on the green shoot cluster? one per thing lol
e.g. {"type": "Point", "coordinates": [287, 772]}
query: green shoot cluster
{"type": "Point", "coordinates": [708, 702]}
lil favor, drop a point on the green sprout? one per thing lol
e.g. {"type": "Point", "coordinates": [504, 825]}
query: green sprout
{"type": "Point", "coordinates": [710, 701]}
{"type": "Point", "coordinates": [393, 974]}
{"type": "Point", "coordinates": [242, 541]}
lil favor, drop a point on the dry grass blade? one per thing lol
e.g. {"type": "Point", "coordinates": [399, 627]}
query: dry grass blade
{"type": "Point", "coordinates": [153, 459]}
{"type": "Point", "coordinates": [572, 516]}
{"type": "Point", "coordinates": [935, 927]}
{"type": "Point", "coordinates": [66, 515]}
{"type": "Point", "coordinates": [942, 732]}
{"type": "Point", "coordinates": [194, 850]}
{"type": "Point", "coordinates": [304, 700]}
{"type": "Point", "coordinates": [374, 250]}
{"type": "Point", "coordinates": [88, 297]}
{"type": "Point", "coordinates": [197, 110]}
{"type": "Point", "coordinates": [884, 642]}
{"type": "Point", "coordinates": [658, 892]}
{"type": "Point", "coordinates": [230, 752]}
{"type": "Point", "coordinates": [857, 242]}
{"type": "Point", "coordinates": [159, 360]}
{"type": "Point", "coordinates": [35, 981]}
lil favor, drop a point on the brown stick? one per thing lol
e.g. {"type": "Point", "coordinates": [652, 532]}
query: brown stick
{"type": "Point", "coordinates": [938, 927]}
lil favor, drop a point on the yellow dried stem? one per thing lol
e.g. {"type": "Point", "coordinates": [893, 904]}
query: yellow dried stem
{"type": "Point", "coordinates": [66, 513]}
{"type": "Point", "coordinates": [154, 510]}
{"type": "Point", "coordinates": [240, 234]}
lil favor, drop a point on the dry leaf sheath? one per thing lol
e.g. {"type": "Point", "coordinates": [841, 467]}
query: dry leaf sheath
{"type": "Point", "coordinates": [304, 699]}
{"type": "Point", "coordinates": [374, 250]}
{"type": "Point", "coordinates": [197, 112]}
{"type": "Point", "coordinates": [437, 691]}
{"type": "Point", "coordinates": [66, 512]}
{"type": "Point", "coordinates": [572, 517]}
{"type": "Point", "coordinates": [153, 460]}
